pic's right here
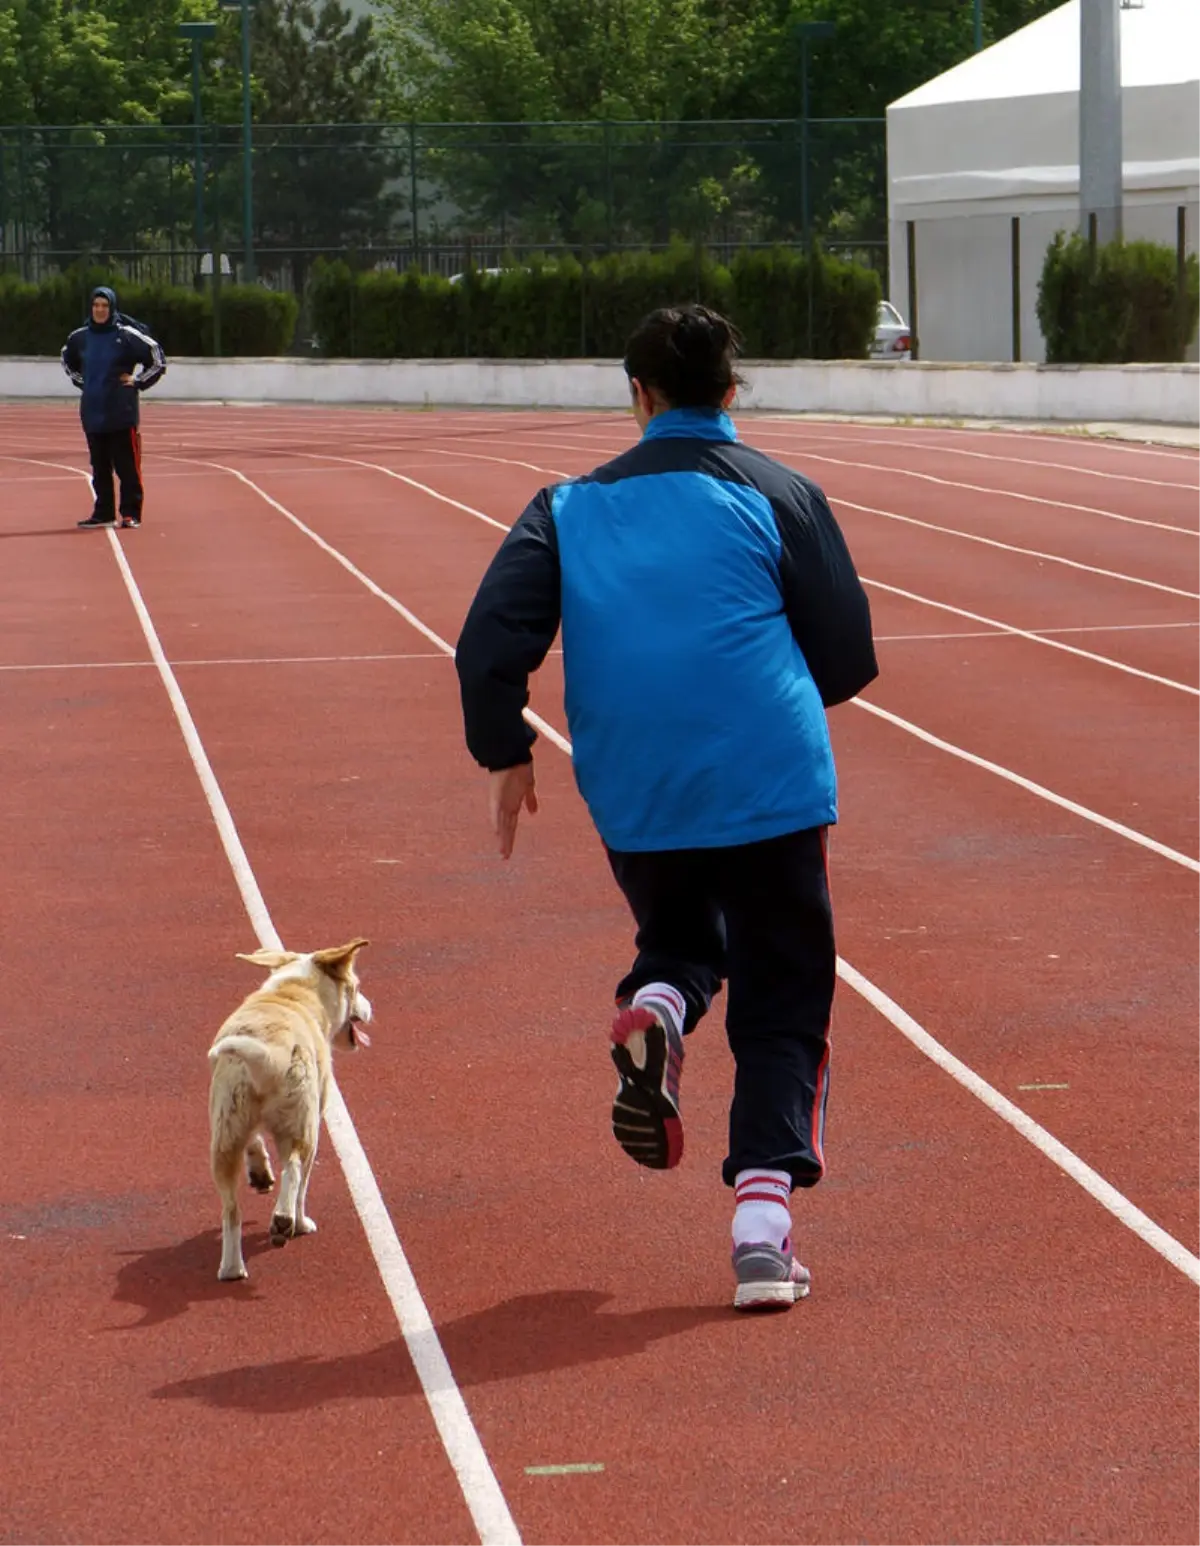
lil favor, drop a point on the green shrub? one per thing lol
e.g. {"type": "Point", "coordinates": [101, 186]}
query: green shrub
{"type": "Point", "coordinates": [36, 318]}
{"type": "Point", "coordinates": [253, 321]}
{"type": "Point", "coordinates": [1116, 305]}
{"type": "Point", "coordinates": [559, 308]}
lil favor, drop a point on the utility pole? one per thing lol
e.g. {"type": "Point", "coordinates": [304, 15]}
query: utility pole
{"type": "Point", "coordinates": [197, 32]}
{"type": "Point", "coordinates": [1100, 140]}
{"type": "Point", "coordinates": [244, 6]}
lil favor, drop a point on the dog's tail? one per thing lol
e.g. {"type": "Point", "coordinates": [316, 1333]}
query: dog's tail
{"type": "Point", "coordinates": [252, 1053]}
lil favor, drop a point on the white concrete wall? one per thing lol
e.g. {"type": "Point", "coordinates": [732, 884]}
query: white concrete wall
{"type": "Point", "coordinates": [1154, 394]}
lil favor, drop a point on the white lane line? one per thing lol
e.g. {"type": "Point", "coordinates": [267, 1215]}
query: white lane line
{"type": "Point", "coordinates": [1024, 633]}
{"type": "Point", "coordinates": [979, 488]}
{"type": "Point", "coordinates": [1067, 436]}
{"type": "Point", "coordinates": [423, 488]}
{"type": "Point", "coordinates": [377, 590]}
{"type": "Point", "coordinates": [1132, 836]}
{"type": "Point", "coordinates": [1008, 547]}
{"type": "Point", "coordinates": [1067, 1161]}
{"type": "Point", "coordinates": [1092, 1182]}
{"type": "Point", "coordinates": [990, 633]}
{"type": "Point", "coordinates": [952, 531]}
{"type": "Point", "coordinates": [240, 660]}
{"type": "Point", "coordinates": [480, 1489]}
{"type": "Point", "coordinates": [255, 660]}
{"type": "Point", "coordinates": [906, 443]}
{"type": "Point", "coordinates": [1130, 833]}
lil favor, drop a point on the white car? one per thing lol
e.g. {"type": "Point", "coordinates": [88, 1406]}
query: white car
{"type": "Point", "coordinates": [892, 341]}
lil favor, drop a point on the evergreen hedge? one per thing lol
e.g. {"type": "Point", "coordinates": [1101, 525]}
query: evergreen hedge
{"type": "Point", "coordinates": [1119, 304]}
{"type": "Point", "coordinates": [36, 318]}
{"type": "Point", "coordinates": [788, 305]}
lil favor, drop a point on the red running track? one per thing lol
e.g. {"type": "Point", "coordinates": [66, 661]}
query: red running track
{"type": "Point", "coordinates": [988, 1353]}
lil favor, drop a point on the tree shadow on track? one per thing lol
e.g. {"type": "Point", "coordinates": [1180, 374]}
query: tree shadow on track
{"type": "Point", "coordinates": [168, 1280]}
{"type": "Point", "coordinates": [531, 1334]}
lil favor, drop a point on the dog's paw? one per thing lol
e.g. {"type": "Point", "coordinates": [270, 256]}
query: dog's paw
{"type": "Point", "coordinates": [282, 1229]}
{"type": "Point", "coordinates": [306, 1226]}
{"type": "Point", "coordinates": [232, 1274]}
{"type": "Point", "coordinates": [261, 1180]}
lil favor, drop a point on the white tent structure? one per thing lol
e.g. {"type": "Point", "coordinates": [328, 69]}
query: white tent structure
{"type": "Point", "coordinates": [998, 137]}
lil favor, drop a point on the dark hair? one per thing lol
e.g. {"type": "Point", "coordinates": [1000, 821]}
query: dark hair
{"type": "Point", "coordinates": [687, 354]}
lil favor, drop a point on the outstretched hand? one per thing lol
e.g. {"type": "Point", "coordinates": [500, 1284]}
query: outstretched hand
{"type": "Point", "coordinates": [508, 791]}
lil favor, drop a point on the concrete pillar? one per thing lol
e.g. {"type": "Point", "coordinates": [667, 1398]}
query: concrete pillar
{"type": "Point", "coordinates": [1100, 150]}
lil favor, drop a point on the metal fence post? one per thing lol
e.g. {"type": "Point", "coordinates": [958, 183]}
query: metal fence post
{"type": "Point", "coordinates": [1016, 287]}
{"type": "Point", "coordinates": [911, 236]}
{"type": "Point", "coordinates": [412, 187]}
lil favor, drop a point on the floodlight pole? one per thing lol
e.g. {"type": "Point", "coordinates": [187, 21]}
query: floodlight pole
{"type": "Point", "coordinates": [808, 29]}
{"type": "Point", "coordinates": [247, 148]}
{"type": "Point", "coordinates": [1100, 138]}
{"type": "Point", "coordinates": [197, 32]}
{"type": "Point", "coordinates": [247, 162]}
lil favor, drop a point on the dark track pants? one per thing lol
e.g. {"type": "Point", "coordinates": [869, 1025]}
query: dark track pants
{"type": "Point", "coordinates": [758, 916]}
{"type": "Point", "coordinates": [118, 451]}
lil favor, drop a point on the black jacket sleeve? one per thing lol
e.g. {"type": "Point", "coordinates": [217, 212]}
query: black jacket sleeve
{"type": "Point", "coordinates": [508, 631]}
{"type": "Point", "coordinates": [72, 359]}
{"type": "Point", "coordinates": [147, 352]}
{"type": "Point", "coordinates": [823, 596]}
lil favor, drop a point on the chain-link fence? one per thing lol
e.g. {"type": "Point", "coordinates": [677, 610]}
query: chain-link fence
{"type": "Point", "coordinates": [156, 203]}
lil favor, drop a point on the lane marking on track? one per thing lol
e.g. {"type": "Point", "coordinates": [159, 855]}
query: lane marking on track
{"type": "Point", "coordinates": [576, 1468]}
{"type": "Point", "coordinates": [1025, 633]}
{"type": "Point", "coordinates": [244, 660]}
{"type": "Point", "coordinates": [890, 515]}
{"type": "Point", "coordinates": [377, 590]}
{"type": "Point", "coordinates": [480, 1488]}
{"type": "Point", "coordinates": [1090, 1180]}
{"type": "Point", "coordinates": [1129, 833]}
{"type": "Point", "coordinates": [905, 442]}
{"type": "Point", "coordinates": [1083, 811]}
{"type": "Point", "coordinates": [1038, 633]}
{"type": "Point", "coordinates": [1010, 628]}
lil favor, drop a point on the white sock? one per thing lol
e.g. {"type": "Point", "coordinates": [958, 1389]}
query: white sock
{"type": "Point", "coordinates": [664, 1000]}
{"type": "Point", "coordinates": [762, 1207]}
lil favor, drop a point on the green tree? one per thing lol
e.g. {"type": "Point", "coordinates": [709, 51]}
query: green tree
{"type": "Point", "coordinates": [522, 61]}
{"type": "Point", "coordinates": [90, 85]}
{"type": "Point", "coordinates": [322, 160]}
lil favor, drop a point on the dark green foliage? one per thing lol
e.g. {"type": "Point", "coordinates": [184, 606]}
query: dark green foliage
{"type": "Point", "coordinates": [562, 309]}
{"type": "Point", "coordinates": [1117, 305]}
{"type": "Point", "coordinates": [35, 319]}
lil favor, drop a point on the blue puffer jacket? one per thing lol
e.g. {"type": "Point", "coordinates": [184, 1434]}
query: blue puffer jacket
{"type": "Point", "coordinates": [710, 613]}
{"type": "Point", "coordinates": [95, 357]}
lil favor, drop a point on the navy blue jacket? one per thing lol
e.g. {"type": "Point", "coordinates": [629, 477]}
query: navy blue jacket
{"type": "Point", "coordinates": [96, 356]}
{"type": "Point", "coordinates": [710, 611]}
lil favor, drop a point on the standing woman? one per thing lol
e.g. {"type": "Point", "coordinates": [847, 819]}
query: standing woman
{"type": "Point", "coordinates": [102, 359]}
{"type": "Point", "coordinates": [710, 613]}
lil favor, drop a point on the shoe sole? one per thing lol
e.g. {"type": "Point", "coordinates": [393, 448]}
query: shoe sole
{"type": "Point", "coordinates": [645, 1121]}
{"type": "Point", "coordinates": [769, 1296]}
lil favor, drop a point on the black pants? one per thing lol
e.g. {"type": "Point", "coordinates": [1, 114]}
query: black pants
{"type": "Point", "coordinates": [119, 451]}
{"type": "Point", "coordinates": [758, 916]}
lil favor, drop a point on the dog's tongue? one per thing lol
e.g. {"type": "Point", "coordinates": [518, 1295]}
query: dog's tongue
{"type": "Point", "coordinates": [361, 1036]}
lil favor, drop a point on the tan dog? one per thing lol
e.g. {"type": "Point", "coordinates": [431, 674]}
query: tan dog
{"type": "Point", "coordinates": [272, 1071]}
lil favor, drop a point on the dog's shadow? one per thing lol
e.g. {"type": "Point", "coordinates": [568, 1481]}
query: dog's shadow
{"type": "Point", "coordinates": [530, 1334]}
{"type": "Point", "coordinates": [167, 1281]}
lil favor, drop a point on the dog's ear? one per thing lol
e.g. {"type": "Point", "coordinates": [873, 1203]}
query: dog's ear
{"type": "Point", "coordinates": [271, 959]}
{"type": "Point", "coordinates": [337, 960]}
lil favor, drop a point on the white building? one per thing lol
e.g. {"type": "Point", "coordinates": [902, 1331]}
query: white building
{"type": "Point", "coordinates": [998, 136]}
